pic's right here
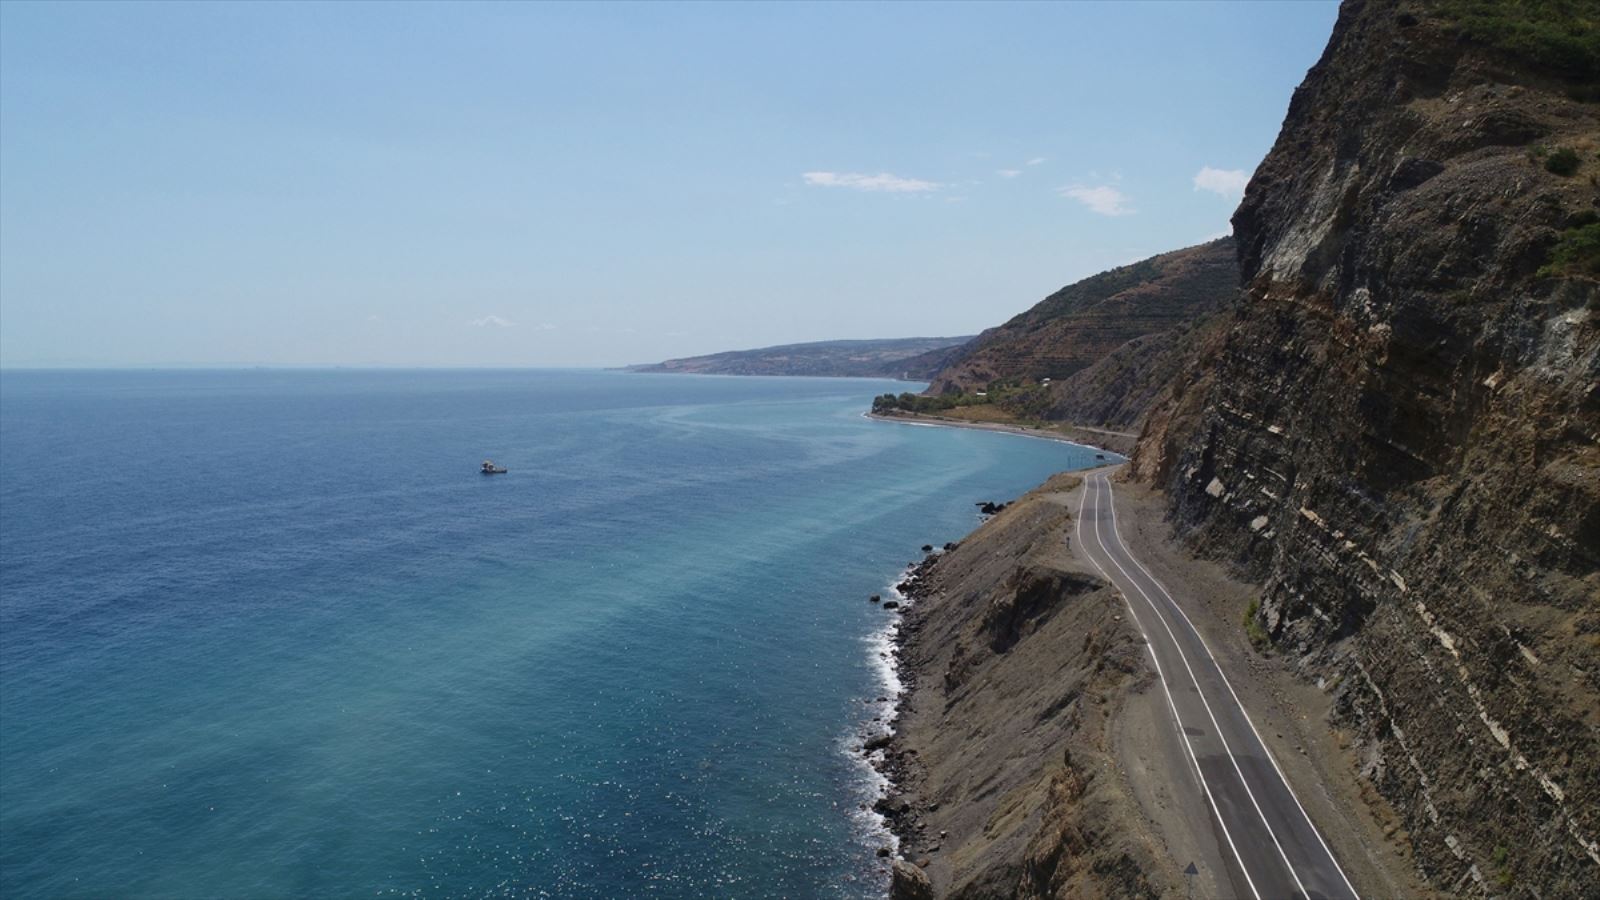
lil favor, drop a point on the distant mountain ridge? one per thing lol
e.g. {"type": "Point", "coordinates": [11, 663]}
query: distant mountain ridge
{"type": "Point", "coordinates": [911, 359]}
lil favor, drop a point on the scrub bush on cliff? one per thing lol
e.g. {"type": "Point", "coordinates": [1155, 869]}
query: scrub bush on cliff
{"type": "Point", "coordinates": [1563, 162]}
{"type": "Point", "coordinates": [1576, 255]}
{"type": "Point", "coordinates": [1558, 35]}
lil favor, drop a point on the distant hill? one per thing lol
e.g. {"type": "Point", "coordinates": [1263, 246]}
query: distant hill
{"type": "Point", "coordinates": [912, 359]}
{"type": "Point", "coordinates": [1100, 352]}
{"type": "Point", "coordinates": [1082, 323]}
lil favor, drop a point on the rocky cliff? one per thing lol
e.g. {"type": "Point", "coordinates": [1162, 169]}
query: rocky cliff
{"type": "Point", "coordinates": [1397, 430]}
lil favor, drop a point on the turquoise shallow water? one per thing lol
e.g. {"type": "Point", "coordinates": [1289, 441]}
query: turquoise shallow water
{"type": "Point", "coordinates": [270, 634]}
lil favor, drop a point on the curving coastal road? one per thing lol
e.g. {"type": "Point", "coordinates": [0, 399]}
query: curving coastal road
{"type": "Point", "coordinates": [1260, 823]}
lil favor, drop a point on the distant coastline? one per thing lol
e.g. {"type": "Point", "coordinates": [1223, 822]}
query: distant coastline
{"type": "Point", "coordinates": [901, 359]}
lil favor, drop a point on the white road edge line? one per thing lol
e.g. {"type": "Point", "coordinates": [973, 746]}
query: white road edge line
{"type": "Point", "coordinates": [1199, 776]}
{"type": "Point", "coordinates": [1232, 759]}
{"type": "Point", "coordinates": [1242, 710]}
{"type": "Point", "coordinates": [1162, 677]}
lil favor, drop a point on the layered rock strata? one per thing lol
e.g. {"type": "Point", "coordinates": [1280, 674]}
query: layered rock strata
{"type": "Point", "coordinates": [1397, 433]}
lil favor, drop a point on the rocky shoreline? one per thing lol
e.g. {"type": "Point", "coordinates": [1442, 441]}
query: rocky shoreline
{"type": "Point", "coordinates": [995, 748]}
{"type": "Point", "coordinates": [891, 761]}
{"type": "Point", "coordinates": [889, 756]}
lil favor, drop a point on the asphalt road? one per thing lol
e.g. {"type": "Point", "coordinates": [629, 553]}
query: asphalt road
{"type": "Point", "coordinates": [1260, 823]}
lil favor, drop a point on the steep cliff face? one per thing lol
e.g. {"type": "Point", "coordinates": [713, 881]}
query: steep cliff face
{"type": "Point", "coordinates": [1397, 431]}
{"type": "Point", "coordinates": [1150, 301]}
{"type": "Point", "coordinates": [1122, 388]}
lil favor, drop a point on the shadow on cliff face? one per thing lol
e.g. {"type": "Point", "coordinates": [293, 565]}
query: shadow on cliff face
{"type": "Point", "coordinates": [1022, 604]}
{"type": "Point", "coordinates": [1026, 601]}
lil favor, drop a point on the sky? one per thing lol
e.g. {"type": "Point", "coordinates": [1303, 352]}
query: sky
{"type": "Point", "coordinates": [582, 185]}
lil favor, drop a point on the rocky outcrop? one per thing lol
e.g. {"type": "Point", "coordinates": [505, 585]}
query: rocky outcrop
{"type": "Point", "coordinates": [1005, 781]}
{"type": "Point", "coordinates": [1397, 430]}
{"type": "Point", "coordinates": [907, 882]}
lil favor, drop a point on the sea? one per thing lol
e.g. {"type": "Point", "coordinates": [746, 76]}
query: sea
{"type": "Point", "coordinates": [270, 633]}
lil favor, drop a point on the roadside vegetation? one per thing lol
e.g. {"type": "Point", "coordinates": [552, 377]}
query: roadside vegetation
{"type": "Point", "coordinates": [1253, 628]}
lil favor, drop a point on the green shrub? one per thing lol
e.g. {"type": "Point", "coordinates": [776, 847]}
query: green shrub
{"type": "Point", "coordinates": [1576, 254]}
{"type": "Point", "coordinates": [1029, 402]}
{"type": "Point", "coordinates": [917, 403]}
{"type": "Point", "coordinates": [1564, 161]}
{"type": "Point", "coordinates": [1017, 396]}
{"type": "Point", "coordinates": [1560, 35]}
{"type": "Point", "coordinates": [1505, 876]}
{"type": "Point", "coordinates": [1252, 626]}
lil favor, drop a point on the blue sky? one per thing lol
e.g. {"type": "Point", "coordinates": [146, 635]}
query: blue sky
{"type": "Point", "coordinates": [550, 185]}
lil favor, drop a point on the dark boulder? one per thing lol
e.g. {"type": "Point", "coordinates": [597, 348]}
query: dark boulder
{"type": "Point", "coordinates": [907, 882]}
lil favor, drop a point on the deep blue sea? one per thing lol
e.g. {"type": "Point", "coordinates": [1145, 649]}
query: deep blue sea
{"type": "Point", "coordinates": [271, 634]}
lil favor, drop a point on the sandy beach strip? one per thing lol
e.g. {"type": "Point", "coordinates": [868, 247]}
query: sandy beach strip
{"type": "Point", "coordinates": [1003, 428]}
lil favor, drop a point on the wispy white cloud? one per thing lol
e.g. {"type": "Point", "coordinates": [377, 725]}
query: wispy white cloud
{"type": "Point", "coordinates": [1008, 173]}
{"type": "Point", "coordinates": [881, 182]}
{"type": "Point", "coordinates": [1103, 199]}
{"type": "Point", "coordinates": [1225, 182]}
{"type": "Point", "coordinates": [496, 321]}
{"type": "Point", "coordinates": [1037, 160]}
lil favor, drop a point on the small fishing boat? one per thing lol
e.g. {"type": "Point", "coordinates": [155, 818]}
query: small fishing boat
{"type": "Point", "coordinates": [489, 468]}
